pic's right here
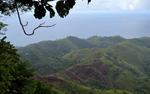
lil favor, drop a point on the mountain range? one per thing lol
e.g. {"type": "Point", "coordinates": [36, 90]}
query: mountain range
{"type": "Point", "coordinates": [97, 65]}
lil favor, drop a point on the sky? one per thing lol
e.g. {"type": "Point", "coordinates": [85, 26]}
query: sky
{"type": "Point", "coordinates": [114, 5]}
{"type": "Point", "coordinates": [126, 18]}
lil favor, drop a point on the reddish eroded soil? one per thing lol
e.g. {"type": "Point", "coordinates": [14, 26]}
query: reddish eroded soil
{"type": "Point", "coordinates": [94, 71]}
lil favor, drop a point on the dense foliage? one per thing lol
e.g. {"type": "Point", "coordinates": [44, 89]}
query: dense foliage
{"type": "Point", "coordinates": [16, 77]}
{"type": "Point", "coordinates": [13, 73]}
{"type": "Point", "coordinates": [40, 7]}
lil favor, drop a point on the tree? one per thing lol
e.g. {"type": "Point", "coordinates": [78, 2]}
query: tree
{"type": "Point", "coordinates": [40, 8]}
{"type": "Point", "coordinates": [2, 25]}
{"type": "Point", "coordinates": [14, 74]}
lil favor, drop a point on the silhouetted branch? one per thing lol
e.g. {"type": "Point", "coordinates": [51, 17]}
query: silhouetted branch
{"type": "Point", "coordinates": [39, 26]}
{"type": "Point", "coordinates": [22, 25]}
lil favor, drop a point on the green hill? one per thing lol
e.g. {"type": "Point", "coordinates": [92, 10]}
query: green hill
{"type": "Point", "coordinates": [103, 42]}
{"type": "Point", "coordinates": [101, 63]}
{"type": "Point", "coordinates": [46, 57]}
{"type": "Point", "coordinates": [117, 66]}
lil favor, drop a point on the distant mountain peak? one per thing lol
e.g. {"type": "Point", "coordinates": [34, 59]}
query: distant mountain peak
{"type": "Point", "coordinates": [71, 37]}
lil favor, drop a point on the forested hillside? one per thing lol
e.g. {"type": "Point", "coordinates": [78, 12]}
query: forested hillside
{"type": "Point", "coordinates": [100, 65]}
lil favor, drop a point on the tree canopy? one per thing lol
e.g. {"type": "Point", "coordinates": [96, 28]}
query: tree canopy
{"type": "Point", "coordinates": [14, 75]}
{"type": "Point", "coordinates": [40, 7]}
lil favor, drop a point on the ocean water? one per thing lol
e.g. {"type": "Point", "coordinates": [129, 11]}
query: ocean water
{"type": "Point", "coordinates": [79, 24]}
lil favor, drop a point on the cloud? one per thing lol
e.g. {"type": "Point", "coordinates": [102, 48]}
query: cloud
{"type": "Point", "coordinates": [115, 5]}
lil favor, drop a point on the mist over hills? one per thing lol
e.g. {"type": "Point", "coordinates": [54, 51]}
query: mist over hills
{"type": "Point", "coordinates": [96, 62]}
{"type": "Point", "coordinates": [83, 25]}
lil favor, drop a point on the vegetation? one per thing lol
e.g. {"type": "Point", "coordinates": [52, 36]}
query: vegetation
{"type": "Point", "coordinates": [40, 7]}
{"type": "Point", "coordinates": [16, 77]}
{"type": "Point", "coordinates": [2, 25]}
{"type": "Point", "coordinates": [13, 73]}
{"type": "Point", "coordinates": [98, 65]}
{"type": "Point", "coordinates": [105, 64]}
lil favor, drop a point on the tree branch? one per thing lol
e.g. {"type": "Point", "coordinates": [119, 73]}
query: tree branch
{"type": "Point", "coordinates": [23, 25]}
{"type": "Point", "coordinates": [39, 26]}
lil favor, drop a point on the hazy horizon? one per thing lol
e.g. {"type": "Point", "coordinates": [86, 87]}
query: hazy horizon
{"type": "Point", "coordinates": [126, 18]}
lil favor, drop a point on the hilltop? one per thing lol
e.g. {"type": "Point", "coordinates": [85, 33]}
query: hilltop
{"type": "Point", "coordinates": [96, 62]}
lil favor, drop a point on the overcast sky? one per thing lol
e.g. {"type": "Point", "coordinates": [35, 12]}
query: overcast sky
{"type": "Point", "coordinates": [113, 5]}
{"type": "Point", "coordinates": [127, 18]}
